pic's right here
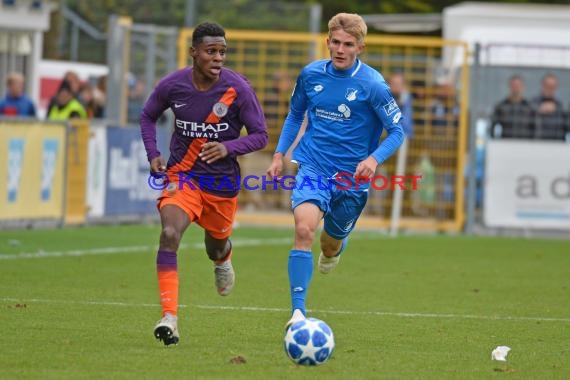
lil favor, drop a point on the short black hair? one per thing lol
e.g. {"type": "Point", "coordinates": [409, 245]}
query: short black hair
{"type": "Point", "coordinates": [64, 86]}
{"type": "Point", "coordinates": [206, 29]}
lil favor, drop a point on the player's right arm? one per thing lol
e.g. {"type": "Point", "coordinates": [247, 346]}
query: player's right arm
{"type": "Point", "coordinates": [291, 126]}
{"type": "Point", "coordinates": [154, 107]}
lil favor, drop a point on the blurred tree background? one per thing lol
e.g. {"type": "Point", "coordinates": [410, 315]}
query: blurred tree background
{"type": "Point", "coordinates": [252, 14]}
{"type": "Point", "coordinates": [232, 14]}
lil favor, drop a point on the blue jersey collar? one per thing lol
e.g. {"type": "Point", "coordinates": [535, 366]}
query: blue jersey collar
{"type": "Point", "coordinates": [329, 68]}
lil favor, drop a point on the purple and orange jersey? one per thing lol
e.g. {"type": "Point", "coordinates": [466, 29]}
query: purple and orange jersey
{"type": "Point", "coordinates": [217, 114]}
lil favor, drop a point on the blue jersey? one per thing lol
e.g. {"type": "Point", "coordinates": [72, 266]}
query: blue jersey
{"type": "Point", "coordinates": [347, 111]}
{"type": "Point", "coordinates": [20, 106]}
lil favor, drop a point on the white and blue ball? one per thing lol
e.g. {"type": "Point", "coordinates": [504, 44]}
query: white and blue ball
{"type": "Point", "coordinates": [309, 342]}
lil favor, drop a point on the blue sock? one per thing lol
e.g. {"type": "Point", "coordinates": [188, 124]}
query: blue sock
{"type": "Point", "coordinates": [300, 273]}
{"type": "Point", "coordinates": [342, 246]}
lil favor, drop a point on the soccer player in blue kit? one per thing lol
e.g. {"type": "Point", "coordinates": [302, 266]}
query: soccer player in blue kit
{"type": "Point", "coordinates": [348, 105]}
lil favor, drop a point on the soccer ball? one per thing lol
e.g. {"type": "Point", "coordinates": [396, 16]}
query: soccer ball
{"type": "Point", "coordinates": [309, 342]}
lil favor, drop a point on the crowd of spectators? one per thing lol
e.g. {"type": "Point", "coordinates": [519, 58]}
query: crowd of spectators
{"type": "Point", "coordinates": [542, 117]}
{"type": "Point", "coordinates": [73, 98]}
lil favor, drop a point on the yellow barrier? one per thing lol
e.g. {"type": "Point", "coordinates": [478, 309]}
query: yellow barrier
{"type": "Point", "coordinates": [33, 170]}
{"type": "Point", "coordinates": [76, 183]}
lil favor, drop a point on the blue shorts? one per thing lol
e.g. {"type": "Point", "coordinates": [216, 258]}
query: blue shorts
{"type": "Point", "coordinates": [341, 207]}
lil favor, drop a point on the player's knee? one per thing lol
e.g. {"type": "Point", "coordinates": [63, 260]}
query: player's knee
{"type": "Point", "coordinates": [170, 236]}
{"type": "Point", "coordinates": [304, 233]}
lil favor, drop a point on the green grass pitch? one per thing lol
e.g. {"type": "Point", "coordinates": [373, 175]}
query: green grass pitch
{"type": "Point", "coordinates": [81, 303]}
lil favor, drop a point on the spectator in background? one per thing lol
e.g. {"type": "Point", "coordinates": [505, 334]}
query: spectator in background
{"type": "Point", "coordinates": [514, 116]}
{"type": "Point", "coordinates": [16, 103]}
{"type": "Point", "coordinates": [87, 99]}
{"type": "Point", "coordinates": [550, 113]}
{"type": "Point", "coordinates": [66, 106]}
{"type": "Point", "coordinates": [404, 100]}
{"type": "Point", "coordinates": [442, 145]}
{"type": "Point", "coordinates": [444, 108]}
{"type": "Point", "coordinates": [275, 107]}
{"type": "Point", "coordinates": [136, 100]}
{"type": "Point", "coordinates": [100, 96]}
{"type": "Point", "coordinates": [276, 103]}
{"type": "Point", "coordinates": [73, 82]}
{"type": "Point", "coordinates": [567, 125]}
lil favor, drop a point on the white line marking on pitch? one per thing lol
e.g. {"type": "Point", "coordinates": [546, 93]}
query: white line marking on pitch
{"type": "Point", "coordinates": [283, 310]}
{"type": "Point", "coordinates": [136, 248]}
{"type": "Point", "coordinates": [238, 242]}
{"type": "Point", "coordinates": [141, 248]}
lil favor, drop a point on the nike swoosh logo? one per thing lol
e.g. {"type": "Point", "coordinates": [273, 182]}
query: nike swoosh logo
{"type": "Point", "coordinates": [176, 105]}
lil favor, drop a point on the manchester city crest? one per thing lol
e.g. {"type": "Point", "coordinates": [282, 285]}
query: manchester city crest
{"type": "Point", "coordinates": [220, 109]}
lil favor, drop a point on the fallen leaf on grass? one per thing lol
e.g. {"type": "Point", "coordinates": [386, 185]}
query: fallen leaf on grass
{"type": "Point", "coordinates": [238, 360]}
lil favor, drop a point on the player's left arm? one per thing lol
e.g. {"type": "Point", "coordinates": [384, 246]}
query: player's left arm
{"type": "Point", "coordinates": [252, 117]}
{"type": "Point", "coordinates": [390, 115]}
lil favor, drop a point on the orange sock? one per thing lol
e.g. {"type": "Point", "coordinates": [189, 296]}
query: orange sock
{"type": "Point", "coordinates": [167, 271]}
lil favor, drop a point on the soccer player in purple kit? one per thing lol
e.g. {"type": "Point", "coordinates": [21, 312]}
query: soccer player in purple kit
{"type": "Point", "coordinates": [211, 104]}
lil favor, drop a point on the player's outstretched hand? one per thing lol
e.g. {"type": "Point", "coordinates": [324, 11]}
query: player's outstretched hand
{"type": "Point", "coordinates": [157, 165]}
{"type": "Point", "coordinates": [367, 167]}
{"type": "Point", "coordinates": [276, 167]}
{"type": "Point", "coordinates": [212, 151]}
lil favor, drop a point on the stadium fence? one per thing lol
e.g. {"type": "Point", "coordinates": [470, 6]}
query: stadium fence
{"type": "Point", "coordinates": [440, 86]}
{"type": "Point", "coordinates": [114, 171]}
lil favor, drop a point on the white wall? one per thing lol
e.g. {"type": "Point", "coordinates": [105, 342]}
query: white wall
{"type": "Point", "coordinates": [543, 29]}
{"type": "Point", "coordinates": [21, 18]}
{"type": "Point", "coordinates": [534, 192]}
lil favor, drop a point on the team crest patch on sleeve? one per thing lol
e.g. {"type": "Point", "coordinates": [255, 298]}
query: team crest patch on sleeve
{"type": "Point", "coordinates": [220, 109]}
{"type": "Point", "coordinates": [391, 107]}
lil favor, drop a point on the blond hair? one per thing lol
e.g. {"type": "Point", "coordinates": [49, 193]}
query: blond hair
{"type": "Point", "coordinates": [351, 23]}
